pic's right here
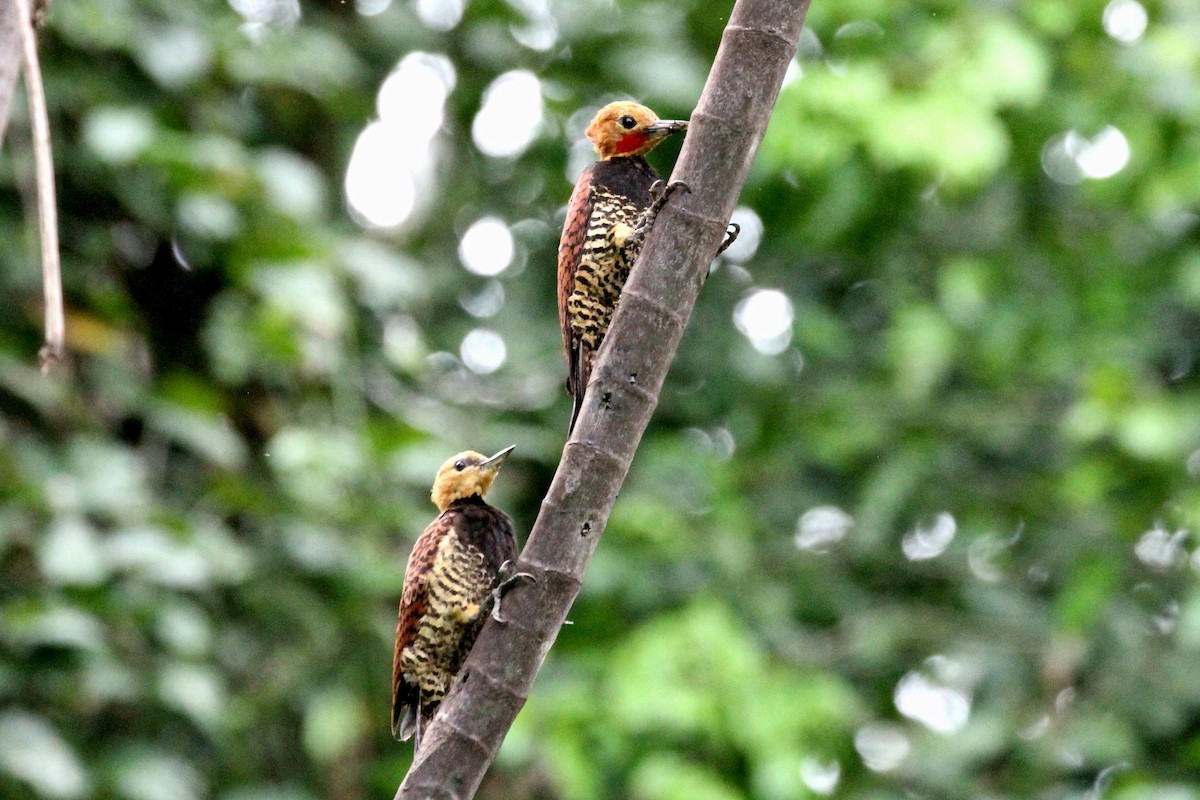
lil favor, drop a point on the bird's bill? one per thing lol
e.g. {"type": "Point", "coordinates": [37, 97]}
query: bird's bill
{"type": "Point", "coordinates": [493, 462]}
{"type": "Point", "coordinates": [665, 127]}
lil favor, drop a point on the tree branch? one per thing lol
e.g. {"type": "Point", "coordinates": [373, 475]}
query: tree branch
{"type": "Point", "coordinates": [726, 127]}
{"type": "Point", "coordinates": [53, 349]}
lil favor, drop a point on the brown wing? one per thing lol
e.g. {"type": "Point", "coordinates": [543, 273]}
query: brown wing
{"type": "Point", "coordinates": [413, 604]}
{"type": "Point", "coordinates": [570, 250]}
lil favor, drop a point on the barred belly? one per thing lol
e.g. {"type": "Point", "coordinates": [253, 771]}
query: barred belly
{"type": "Point", "coordinates": [457, 587]}
{"type": "Point", "coordinates": [603, 267]}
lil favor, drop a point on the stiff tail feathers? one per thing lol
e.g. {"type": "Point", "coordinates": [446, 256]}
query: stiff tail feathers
{"type": "Point", "coordinates": [577, 381]}
{"type": "Point", "coordinates": [407, 719]}
{"type": "Point", "coordinates": [576, 407]}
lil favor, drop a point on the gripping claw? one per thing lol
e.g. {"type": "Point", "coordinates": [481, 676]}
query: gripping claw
{"type": "Point", "coordinates": [731, 234]}
{"type": "Point", "coordinates": [660, 193]}
{"type": "Point", "coordinates": [507, 581]}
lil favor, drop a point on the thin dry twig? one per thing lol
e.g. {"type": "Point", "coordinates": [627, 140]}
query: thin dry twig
{"type": "Point", "coordinates": [726, 127]}
{"type": "Point", "coordinates": [54, 348]}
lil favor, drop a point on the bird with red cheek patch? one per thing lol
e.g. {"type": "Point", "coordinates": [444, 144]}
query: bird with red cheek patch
{"type": "Point", "coordinates": [608, 215]}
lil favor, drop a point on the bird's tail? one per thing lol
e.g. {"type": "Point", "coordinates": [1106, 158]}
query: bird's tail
{"type": "Point", "coordinates": [577, 381]}
{"type": "Point", "coordinates": [576, 407]}
{"type": "Point", "coordinates": [404, 722]}
{"type": "Point", "coordinates": [406, 709]}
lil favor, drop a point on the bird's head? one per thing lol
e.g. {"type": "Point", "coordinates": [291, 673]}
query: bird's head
{"type": "Point", "coordinates": [629, 129]}
{"type": "Point", "coordinates": [466, 475]}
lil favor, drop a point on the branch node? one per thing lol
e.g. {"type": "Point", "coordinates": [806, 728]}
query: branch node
{"type": "Point", "coordinates": [49, 355]}
{"type": "Point", "coordinates": [770, 32]}
{"type": "Point", "coordinates": [658, 308]}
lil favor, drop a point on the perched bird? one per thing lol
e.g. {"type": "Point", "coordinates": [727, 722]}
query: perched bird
{"type": "Point", "coordinates": [454, 573]}
{"type": "Point", "coordinates": [608, 215]}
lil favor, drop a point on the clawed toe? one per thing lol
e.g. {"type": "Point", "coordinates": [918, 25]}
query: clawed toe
{"type": "Point", "coordinates": [660, 191]}
{"type": "Point", "coordinates": [731, 234]}
{"type": "Point", "coordinates": [506, 582]}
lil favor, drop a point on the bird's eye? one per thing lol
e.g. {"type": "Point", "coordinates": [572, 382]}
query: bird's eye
{"type": "Point", "coordinates": [627, 122]}
{"type": "Point", "coordinates": [460, 465]}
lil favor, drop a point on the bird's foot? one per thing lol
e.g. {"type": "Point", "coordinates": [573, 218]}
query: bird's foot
{"type": "Point", "coordinates": [660, 193]}
{"type": "Point", "coordinates": [507, 580]}
{"type": "Point", "coordinates": [731, 234]}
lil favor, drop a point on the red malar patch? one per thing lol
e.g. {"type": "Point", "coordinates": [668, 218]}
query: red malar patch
{"type": "Point", "coordinates": [630, 142]}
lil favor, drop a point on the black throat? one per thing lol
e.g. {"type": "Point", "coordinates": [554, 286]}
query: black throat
{"type": "Point", "coordinates": [630, 176]}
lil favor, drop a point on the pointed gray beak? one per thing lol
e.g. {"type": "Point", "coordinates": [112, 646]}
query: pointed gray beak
{"type": "Point", "coordinates": [493, 463]}
{"type": "Point", "coordinates": [665, 127]}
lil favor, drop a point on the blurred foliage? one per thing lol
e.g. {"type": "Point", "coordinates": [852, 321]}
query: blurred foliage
{"type": "Point", "coordinates": [935, 538]}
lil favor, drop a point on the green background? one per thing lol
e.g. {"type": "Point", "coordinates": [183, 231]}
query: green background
{"type": "Point", "coordinates": [988, 409]}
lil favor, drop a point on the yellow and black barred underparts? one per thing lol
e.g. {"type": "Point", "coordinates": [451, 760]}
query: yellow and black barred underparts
{"type": "Point", "coordinates": [595, 258]}
{"type": "Point", "coordinates": [447, 592]}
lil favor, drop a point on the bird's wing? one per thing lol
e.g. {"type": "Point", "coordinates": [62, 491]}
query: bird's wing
{"type": "Point", "coordinates": [413, 604]}
{"type": "Point", "coordinates": [570, 250]}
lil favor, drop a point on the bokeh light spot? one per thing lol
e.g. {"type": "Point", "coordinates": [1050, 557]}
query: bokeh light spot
{"type": "Point", "coordinates": [294, 185]}
{"type": "Point", "coordinates": [822, 526]}
{"type": "Point", "coordinates": [927, 541]}
{"type": "Point", "coordinates": [540, 33]}
{"type": "Point", "coordinates": [484, 302]}
{"type": "Point", "coordinates": [1125, 20]}
{"type": "Point", "coordinates": [392, 161]}
{"type": "Point", "coordinates": [403, 343]}
{"type": "Point", "coordinates": [1160, 549]}
{"type": "Point", "coordinates": [487, 247]}
{"type": "Point", "coordinates": [765, 318]}
{"type": "Point", "coordinates": [882, 746]}
{"type": "Point", "coordinates": [380, 186]}
{"type": "Point", "coordinates": [939, 708]}
{"type": "Point", "coordinates": [483, 351]}
{"type": "Point", "coordinates": [118, 135]}
{"type": "Point", "coordinates": [440, 15]}
{"type": "Point", "coordinates": [175, 55]}
{"type": "Point", "coordinates": [1193, 464]}
{"type": "Point", "coordinates": [413, 96]}
{"type": "Point", "coordinates": [820, 776]}
{"type": "Point", "coordinates": [1070, 157]}
{"type": "Point", "coordinates": [278, 13]}
{"type": "Point", "coordinates": [32, 751]}
{"type": "Point", "coordinates": [208, 215]}
{"type": "Point", "coordinates": [146, 774]}
{"type": "Point", "coordinates": [1105, 155]}
{"type": "Point", "coordinates": [510, 115]}
{"type": "Point", "coordinates": [371, 8]}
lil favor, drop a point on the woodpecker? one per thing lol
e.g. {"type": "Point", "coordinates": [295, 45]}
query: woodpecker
{"type": "Point", "coordinates": [613, 206]}
{"type": "Point", "coordinates": [608, 215]}
{"type": "Point", "coordinates": [456, 570]}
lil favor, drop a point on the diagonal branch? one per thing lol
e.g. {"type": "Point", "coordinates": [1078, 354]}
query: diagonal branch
{"type": "Point", "coordinates": [726, 127]}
